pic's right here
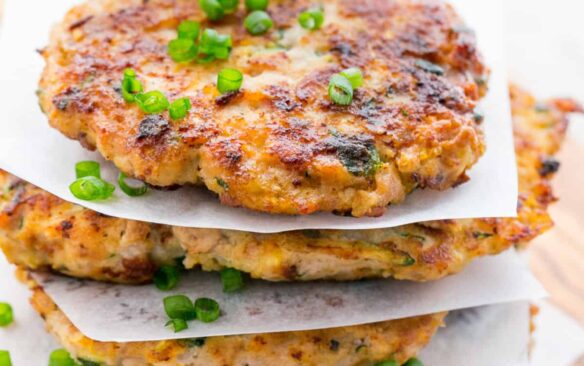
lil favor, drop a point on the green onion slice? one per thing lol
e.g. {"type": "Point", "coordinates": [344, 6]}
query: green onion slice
{"type": "Point", "coordinates": [6, 314]}
{"type": "Point", "coordinates": [152, 102]}
{"type": "Point", "coordinates": [207, 310]}
{"type": "Point", "coordinates": [213, 9]}
{"type": "Point", "coordinates": [252, 5]}
{"type": "Point", "coordinates": [130, 190]}
{"type": "Point", "coordinates": [60, 357]}
{"type": "Point", "coordinates": [232, 280]}
{"type": "Point", "coordinates": [179, 307]}
{"type": "Point", "coordinates": [214, 46]}
{"type": "Point", "coordinates": [182, 50]}
{"type": "Point", "coordinates": [166, 278]}
{"type": "Point", "coordinates": [340, 90]}
{"type": "Point", "coordinates": [179, 108]}
{"type": "Point", "coordinates": [87, 169]}
{"type": "Point", "coordinates": [311, 19]}
{"type": "Point", "coordinates": [258, 22]}
{"type": "Point", "coordinates": [413, 362]}
{"type": "Point", "coordinates": [91, 189]}
{"type": "Point", "coordinates": [130, 86]}
{"type": "Point", "coordinates": [5, 358]}
{"type": "Point", "coordinates": [177, 324]}
{"type": "Point", "coordinates": [229, 6]}
{"type": "Point", "coordinates": [229, 80]}
{"type": "Point", "coordinates": [354, 75]}
{"type": "Point", "coordinates": [189, 29]}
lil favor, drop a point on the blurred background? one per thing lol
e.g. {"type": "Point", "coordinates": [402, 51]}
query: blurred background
{"type": "Point", "coordinates": [545, 49]}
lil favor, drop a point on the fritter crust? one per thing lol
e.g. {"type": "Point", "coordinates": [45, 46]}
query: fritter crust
{"type": "Point", "coordinates": [280, 145]}
{"type": "Point", "coordinates": [38, 230]}
{"type": "Point", "coordinates": [357, 345]}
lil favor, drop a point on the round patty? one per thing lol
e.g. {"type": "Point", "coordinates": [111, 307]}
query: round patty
{"type": "Point", "coordinates": [41, 231]}
{"type": "Point", "coordinates": [348, 346]}
{"type": "Point", "coordinates": [279, 145]}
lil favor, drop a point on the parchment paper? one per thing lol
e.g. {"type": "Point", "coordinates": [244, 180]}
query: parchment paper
{"type": "Point", "coordinates": [483, 336]}
{"type": "Point", "coordinates": [476, 338]}
{"type": "Point", "coordinates": [120, 313]}
{"type": "Point", "coordinates": [35, 152]}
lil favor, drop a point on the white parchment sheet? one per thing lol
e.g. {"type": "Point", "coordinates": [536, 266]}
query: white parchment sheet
{"type": "Point", "coordinates": [35, 152]}
{"type": "Point", "coordinates": [121, 313]}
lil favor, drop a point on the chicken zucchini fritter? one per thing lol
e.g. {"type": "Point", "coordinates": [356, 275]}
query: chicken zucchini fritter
{"type": "Point", "coordinates": [361, 345]}
{"type": "Point", "coordinates": [279, 145]}
{"type": "Point", "coordinates": [38, 230]}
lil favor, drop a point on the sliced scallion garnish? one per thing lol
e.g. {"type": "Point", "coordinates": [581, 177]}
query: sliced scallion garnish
{"type": "Point", "coordinates": [131, 190]}
{"type": "Point", "coordinates": [179, 108]}
{"type": "Point", "coordinates": [258, 22]}
{"type": "Point", "coordinates": [166, 278]}
{"type": "Point", "coordinates": [340, 90]}
{"type": "Point", "coordinates": [311, 19]}
{"type": "Point", "coordinates": [252, 5]}
{"type": "Point", "coordinates": [87, 169]}
{"type": "Point", "coordinates": [232, 280]}
{"type": "Point", "coordinates": [207, 310]}
{"type": "Point", "coordinates": [152, 102]}
{"type": "Point", "coordinates": [354, 75]}
{"type": "Point", "coordinates": [6, 314]}
{"type": "Point", "coordinates": [91, 189]}
{"type": "Point", "coordinates": [229, 80]}
{"type": "Point", "coordinates": [179, 307]}
{"type": "Point", "coordinates": [60, 357]}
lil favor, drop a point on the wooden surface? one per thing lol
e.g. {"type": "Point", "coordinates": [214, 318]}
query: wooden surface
{"type": "Point", "coordinates": [557, 257]}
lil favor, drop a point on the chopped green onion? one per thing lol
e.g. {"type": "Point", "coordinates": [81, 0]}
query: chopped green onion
{"type": "Point", "coordinates": [6, 314]}
{"type": "Point", "coordinates": [166, 278]}
{"type": "Point", "coordinates": [214, 46]}
{"type": "Point", "coordinates": [189, 29]}
{"type": "Point", "coordinates": [177, 324]}
{"type": "Point", "coordinates": [182, 50]}
{"type": "Point", "coordinates": [252, 5]}
{"type": "Point", "coordinates": [213, 9]}
{"type": "Point", "coordinates": [129, 190]}
{"type": "Point", "coordinates": [130, 86]}
{"type": "Point", "coordinates": [311, 19]}
{"type": "Point", "coordinates": [258, 22]}
{"type": "Point", "coordinates": [232, 280]}
{"type": "Point", "coordinates": [413, 362]}
{"type": "Point", "coordinates": [387, 363]}
{"type": "Point", "coordinates": [179, 307]}
{"type": "Point", "coordinates": [207, 310]}
{"type": "Point", "coordinates": [429, 67]}
{"type": "Point", "coordinates": [340, 90]}
{"type": "Point", "coordinates": [152, 102]}
{"type": "Point", "coordinates": [179, 108]}
{"type": "Point", "coordinates": [354, 75]}
{"type": "Point", "coordinates": [87, 169]}
{"type": "Point", "coordinates": [229, 6]}
{"type": "Point", "coordinates": [5, 358]}
{"type": "Point", "coordinates": [61, 357]}
{"type": "Point", "coordinates": [229, 80]}
{"type": "Point", "coordinates": [91, 189]}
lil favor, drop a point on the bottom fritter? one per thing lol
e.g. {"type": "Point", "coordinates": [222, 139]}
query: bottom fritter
{"type": "Point", "coordinates": [362, 345]}
{"type": "Point", "coordinates": [41, 231]}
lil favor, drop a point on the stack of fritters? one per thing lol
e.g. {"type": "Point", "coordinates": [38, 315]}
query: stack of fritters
{"type": "Point", "coordinates": [278, 145]}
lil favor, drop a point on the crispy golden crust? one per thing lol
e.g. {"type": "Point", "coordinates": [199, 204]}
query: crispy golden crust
{"type": "Point", "coordinates": [280, 145]}
{"type": "Point", "coordinates": [38, 230]}
{"type": "Point", "coordinates": [357, 345]}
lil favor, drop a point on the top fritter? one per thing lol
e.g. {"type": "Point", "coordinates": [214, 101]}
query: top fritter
{"type": "Point", "coordinates": [296, 137]}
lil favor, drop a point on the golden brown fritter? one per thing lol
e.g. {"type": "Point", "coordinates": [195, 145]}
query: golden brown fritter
{"type": "Point", "coordinates": [38, 230]}
{"type": "Point", "coordinates": [361, 345]}
{"type": "Point", "coordinates": [279, 145]}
